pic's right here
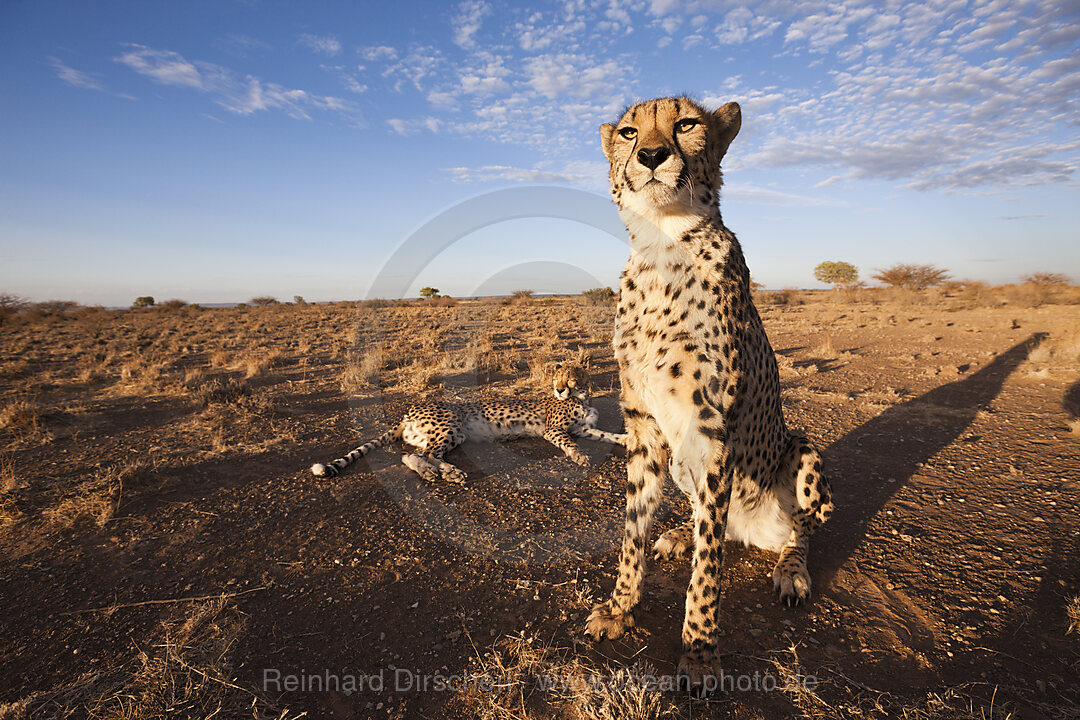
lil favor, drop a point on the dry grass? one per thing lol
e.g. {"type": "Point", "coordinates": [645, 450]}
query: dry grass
{"type": "Point", "coordinates": [218, 391]}
{"type": "Point", "coordinates": [522, 678]}
{"type": "Point", "coordinates": [98, 498]}
{"type": "Point", "coordinates": [1072, 610]}
{"type": "Point", "coordinates": [185, 671]}
{"type": "Point", "coordinates": [22, 419]}
{"type": "Point", "coordinates": [806, 691]}
{"type": "Point", "coordinates": [260, 361]}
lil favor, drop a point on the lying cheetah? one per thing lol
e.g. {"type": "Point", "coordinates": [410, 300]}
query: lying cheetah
{"type": "Point", "coordinates": [700, 388]}
{"type": "Point", "coordinates": [436, 428]}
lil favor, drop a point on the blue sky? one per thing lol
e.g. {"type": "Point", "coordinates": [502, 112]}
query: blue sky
{"type": "Point", "coordinates": [221, 150]}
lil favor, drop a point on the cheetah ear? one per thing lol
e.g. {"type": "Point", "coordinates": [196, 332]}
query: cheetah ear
{"type": "Point", "coordinates": [724, 125]}
{"type": "Point", "coordinates": [607, 131]}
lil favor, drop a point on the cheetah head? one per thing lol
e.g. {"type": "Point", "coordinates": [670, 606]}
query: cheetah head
{"type": "Point", "coordinates": [665, 155]}
{"type": "Point", "coordinates": [571, 380]}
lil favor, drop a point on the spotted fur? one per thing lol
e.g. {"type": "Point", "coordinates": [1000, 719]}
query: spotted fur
{"type": "Point", "coordinates": [700, 388]}
{"type": "Point", "coordinates": [436, 428]}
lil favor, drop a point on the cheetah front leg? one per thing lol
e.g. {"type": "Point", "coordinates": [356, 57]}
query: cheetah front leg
{"type": "Point", "coordinates": [562, 440]}
{"type": "Point", "coordinates": [813, 501]}
{"type": "Point", "coordinates": [703, 468]}
{"type": "Point", "coordinates": [646, 459]}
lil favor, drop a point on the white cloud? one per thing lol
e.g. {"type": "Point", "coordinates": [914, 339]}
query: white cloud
{"type": "Point", "coordinates": [162, 66]}
{"type": "Point", "coordinates": [574, 75]}
{"type": "Point", "coordinates": [240, 96]}
{"type": "Point", "coordinates": [324, 45]}
{"type": "Point", "coordinates": [73, 77]}
{"type": "Point", "coordinates": [589, 174]}
{"type": "Point", "coordinates": [375, 53]}
{"type": "Point", "coordinates": [742, 25]}
{"type": "Point", "coordinates": [411, 127]}
{"type": "Point", "coordinates": [467, 22]}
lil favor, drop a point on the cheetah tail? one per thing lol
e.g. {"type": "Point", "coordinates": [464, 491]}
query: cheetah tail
{"type": "Point", "coordinates": [334, 469]}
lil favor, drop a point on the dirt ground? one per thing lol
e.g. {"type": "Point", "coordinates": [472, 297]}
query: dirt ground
{"type": "Point", "coordinates": [164, 550]}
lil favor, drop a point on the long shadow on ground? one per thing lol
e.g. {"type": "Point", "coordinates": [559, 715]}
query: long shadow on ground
{"type": "Point", "coordinates": [894, 444]}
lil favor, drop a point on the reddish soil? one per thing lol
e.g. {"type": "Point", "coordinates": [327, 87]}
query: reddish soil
{"type": "Point", "coordinates": [946, 568]}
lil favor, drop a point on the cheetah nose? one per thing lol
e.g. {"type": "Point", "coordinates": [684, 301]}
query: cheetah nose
{"type": "Point", "coordinates": [652, 157]}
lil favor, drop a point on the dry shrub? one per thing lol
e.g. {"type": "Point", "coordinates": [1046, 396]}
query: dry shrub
{"type": "Point", "coordinates": [1073, 611]}
{"type": "Point", "coordinates": [787, 296]}
{"type": "Point", "coordinates": [218, 391]}
{"type": "Point", "coordinates": [522, 679]}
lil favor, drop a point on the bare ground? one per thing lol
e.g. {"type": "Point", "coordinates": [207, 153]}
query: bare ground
{"type": "Point", "coordinates": [164, 550]}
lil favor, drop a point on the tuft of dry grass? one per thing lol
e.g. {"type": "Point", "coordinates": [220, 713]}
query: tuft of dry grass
{"type": "Point", "coordinates": [259, 362]}
{"type": "Point", "coordinates": [522, 678]}
{"type": "Point", "coordinates": [1073, 612]}
{"type": "Point", "coordinates": [218, 391]}
{"type": "Point", "coordinates": [21, 418]}
{"type": "Point", "coordinates": [98, 498]}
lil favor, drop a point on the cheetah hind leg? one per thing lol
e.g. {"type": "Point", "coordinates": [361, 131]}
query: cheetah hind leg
{"type": "Point", "coordinates": [813, 497]}
{"type": "Point", "coordinates": [675, 543]}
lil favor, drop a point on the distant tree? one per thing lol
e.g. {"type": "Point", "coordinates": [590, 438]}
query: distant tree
{"type": "Point", "coordinates": [1047, 278]}
{"type": "Point", "coordinates": [143, 301]}
{"type": "Point", "coordinates": [599, 296]}
{"type": "Point", "coordinates": [263, 300]}
{"type": "Point", "coordinates": [299, 300]}
{"type": "Point", "coordinates": [56, 307]}
{"type": "Point", "coordinates": [911, 277]}
{"type": "Point", "coordinates": [755, 286]}
{"type": "Point", "coordinates": [837, 274]}
{"type": "Point", "coordinates": [522, 295]}
{"type": "Point", "coordinates": [429, 293]}
{"type": "Point", "coordinates": [10, 305]}
{"type": "Point", "coordinates": [174, 304]}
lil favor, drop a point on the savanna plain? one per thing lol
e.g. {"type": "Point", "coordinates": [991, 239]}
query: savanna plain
{"type": "Point", "coordinates": [165, 551]}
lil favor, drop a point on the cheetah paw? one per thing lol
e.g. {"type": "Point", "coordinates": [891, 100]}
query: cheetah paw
{"type": "Point", "coordinates": [672, 544]}
{"type": "Point", "coordinates": [791, 583]}
{"type": "Point", "coordinates": [697, 672]}
{"type": "Point", "coordinates": [454, 475]}
{"type": "Point", "coordinates": [580, 459]}
{"type": "Point", "coordinates": [608, 620]}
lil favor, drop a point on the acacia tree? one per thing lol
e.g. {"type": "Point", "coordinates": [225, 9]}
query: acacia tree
{"type": "Point", "coordinates": [143, 301]}
{"type": "Point", "coordinates": [1047, 278]}
{"type": "Point", "coordinates": [912, 277]}
{"type": "Point", "coordinates": [837, 274]}
{"type": "Point", "coordinates": [429, 293]}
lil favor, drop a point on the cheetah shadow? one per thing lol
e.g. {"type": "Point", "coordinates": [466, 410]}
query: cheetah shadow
{"type": "Point", "coordinates": [893, 445]}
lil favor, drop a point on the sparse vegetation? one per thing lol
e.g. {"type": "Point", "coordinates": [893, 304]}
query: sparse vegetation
{"type": "Point", "coordinates": [911, 277]}
{"type": "Point", "coordinates": [263, 301]}
{"type": "Point", "coordinates": [133, 439]}
{"type": "Point", "coordinates": [600, 296]}
{"type": "Point", "coordinates": [143, 301]}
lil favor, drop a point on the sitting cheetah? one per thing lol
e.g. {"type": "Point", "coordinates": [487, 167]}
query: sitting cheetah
{"type": "Point", "coordinates": [436, 428]}
{"type": "Point", "coordinates": [700, 388]}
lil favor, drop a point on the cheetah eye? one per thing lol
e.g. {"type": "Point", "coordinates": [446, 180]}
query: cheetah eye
{"type": "Point", "coordinates": [685, 126]}
{"type": "Point", "coordinates": [628, 132]}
